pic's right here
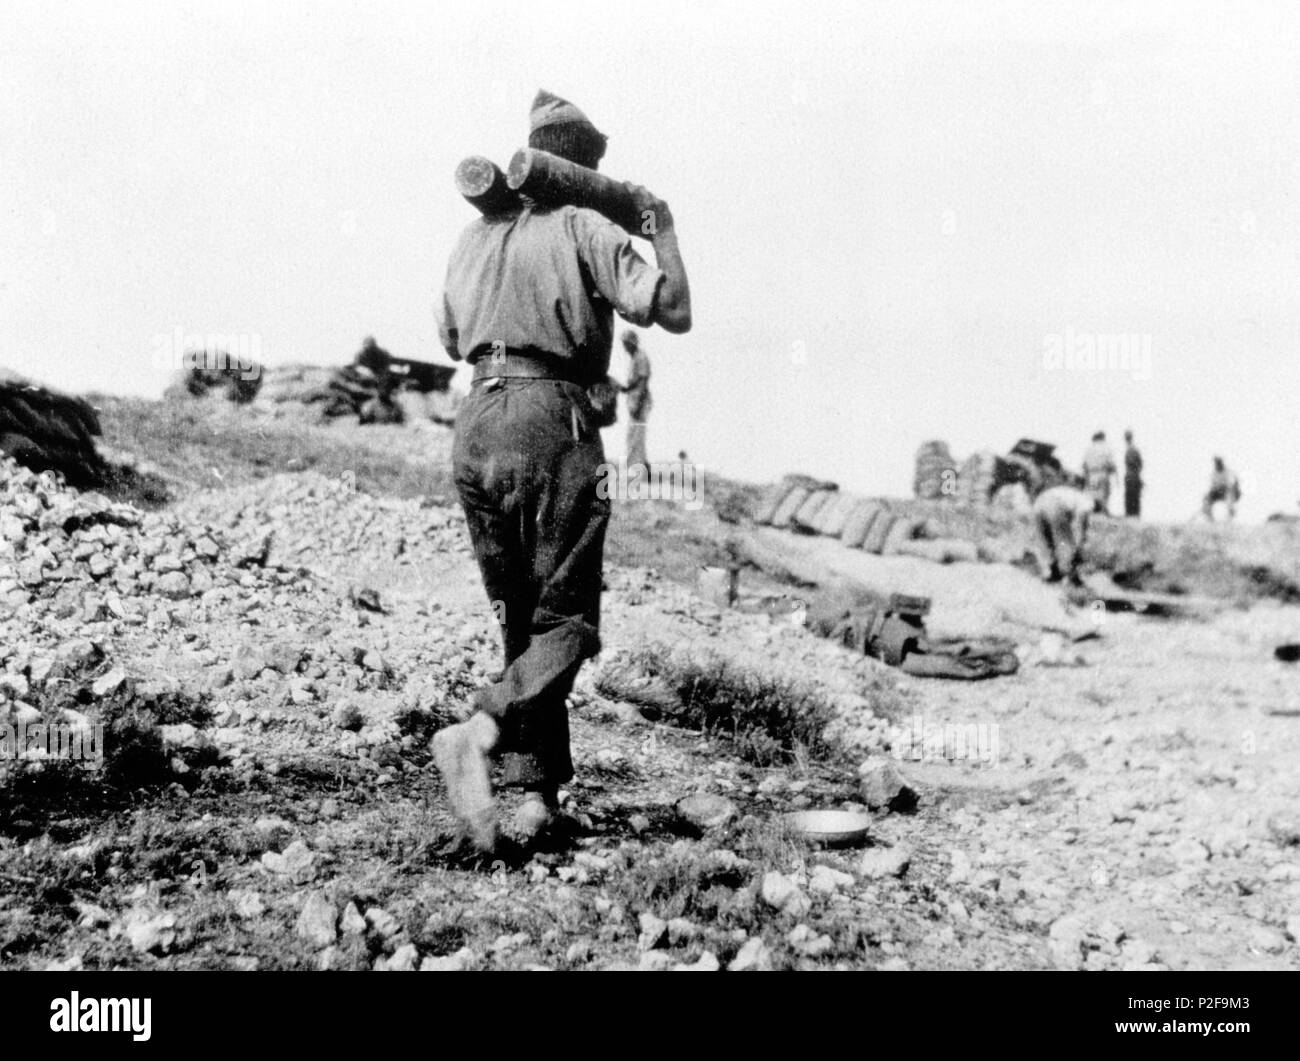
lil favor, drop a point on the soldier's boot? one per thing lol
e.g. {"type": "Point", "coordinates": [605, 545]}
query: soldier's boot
{"type": "Point", "coordinates": [536, 813]}
{"type": "Point", "coordinates": [461, 752]}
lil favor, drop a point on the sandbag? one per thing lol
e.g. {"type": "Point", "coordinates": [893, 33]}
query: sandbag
{"type": "Point", "coordinates": [804, 519]}
{"type": "Point", "coordinates": [977, 478]}
{"type": "Point", "coordinates": [771, 501]}
{"type": "Point", "coordinates": [875, 539]}
{"type": "Point", "coordinates": [830, 520]}
{"type": "Point", "coordinates": [934, 467]}
{"type": "Point", "coordinates": [902, 531]}
{"type": "Point", "coordinates": [789, 506]}
{"type": "Point", "coordinates": [859, 523]}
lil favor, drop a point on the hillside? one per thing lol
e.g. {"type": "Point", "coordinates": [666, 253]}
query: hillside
{"type": "Point", "coordinates": [270, 617]}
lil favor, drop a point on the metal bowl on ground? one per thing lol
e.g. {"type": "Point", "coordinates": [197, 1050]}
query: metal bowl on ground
{"type": "Point", "coordinates": [833, 828]}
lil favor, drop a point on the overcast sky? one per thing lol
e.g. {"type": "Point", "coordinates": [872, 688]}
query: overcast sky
{"type": "Point", "coordinates": [892, 214]}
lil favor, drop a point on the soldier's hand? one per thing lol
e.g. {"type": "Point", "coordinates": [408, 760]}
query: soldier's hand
{"type": "Point", "coordinates": [653, 211]}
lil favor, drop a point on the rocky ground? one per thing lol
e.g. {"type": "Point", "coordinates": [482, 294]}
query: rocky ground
{"type": "Point", "coordinates": [270, 651]}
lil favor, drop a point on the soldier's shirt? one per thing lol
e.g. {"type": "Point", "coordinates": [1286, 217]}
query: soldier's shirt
{"type": "Point", "coordinates": [547, 281]}
{"type": "Point", "coordinates": [1225, 484]}
{"type": "Point", "coordinates": [1132, 464]}
{"type": "Point", "coordinates": [1098, 459]}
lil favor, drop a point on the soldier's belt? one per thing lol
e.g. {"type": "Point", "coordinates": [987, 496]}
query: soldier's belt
{"type": "Point", "coordinates": [496, 365]}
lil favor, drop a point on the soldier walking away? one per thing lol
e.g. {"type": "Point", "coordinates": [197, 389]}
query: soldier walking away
{"type": "Point", "coordinates": [1132, 478]}
{"type": "Point", "coordinates": [529, 301]}
{"type": "Point", "coordinates": [1098, 467]}
{"type": "Point", "coordinates": [639, 403]}
{"type": "Point", "coordinates": [1061, 515]}
{"type": "Point", "coordinates": [1224, 486]}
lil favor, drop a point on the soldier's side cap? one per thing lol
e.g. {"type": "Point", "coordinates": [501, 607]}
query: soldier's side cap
{"type": "Point", "coordinates": [550, 109]}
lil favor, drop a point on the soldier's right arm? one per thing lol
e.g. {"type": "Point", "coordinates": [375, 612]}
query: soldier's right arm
{"type": "Point", "coordinates": [673, 301]}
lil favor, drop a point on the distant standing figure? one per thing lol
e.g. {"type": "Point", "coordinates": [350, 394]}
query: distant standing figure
{"type": "Point", "coordinates": [1132, 478]}
{"type": "Point", "coordinates": [381, 409]}
{"type": "Point", "coordinates": [1224, 486]}
{"type": "Point", "coordinates": [639, 404]}
{"type": "Point", "coordinates": [1061, 515]}
{"type": "Point", "coordinates": [1098, 467]}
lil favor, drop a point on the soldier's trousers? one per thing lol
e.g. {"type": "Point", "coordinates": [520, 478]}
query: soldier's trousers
{"type": "Point", "coordinates": [638, 411]}
{"type": "Point", "coordinates": [1132, 498]}
{"type": "Point", "coordinates": [526, 462]}
{"type": "Point", "coordinates": [636, 444]}
{"type": "Point", "coordinates": [1099, 487]}
{"type": "Point", "coordinates": [1057, 536]}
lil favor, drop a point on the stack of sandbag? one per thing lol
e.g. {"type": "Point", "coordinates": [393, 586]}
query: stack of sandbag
{"type": "Point", "coordinates": [805, 517]}
{"type": "Point", "coordinates": [780, 504]}
{"type": "Point", "coordinates": [304, 384]}
{"type": "Point", "coordinates": [834, 514]}
{"type": "Point", "coordinates": [376, 388]}
{"type": "Point", "coordinates": [805, 505]}
{"type": "Point", "coordinates": [977, 478]}
{"type": "Point", "coordinates": [861, 521]}
{"type": "Point", "coordinates": [48, 431]}
{"type": "Point", "coordinates": [934, 466]}
{"type": "Point", "coordinates": [901, 531]}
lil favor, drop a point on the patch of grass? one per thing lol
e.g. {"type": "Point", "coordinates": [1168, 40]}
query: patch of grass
{"type": "Point", "coordinates": [686, 881]}
{"type": "Point", "coordinates": [772, 843]}
{"type": "Point", "coordinates": [620, 772]}
{"type": "Point", "coordinates": [132, 756]}
{"type": "Point", "coordinates": [768, 720]}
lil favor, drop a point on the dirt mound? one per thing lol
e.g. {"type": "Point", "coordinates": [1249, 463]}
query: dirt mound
{"type": "Point", "coordinates": [329, 524]}
{"type": "Point", "coordinates": [47, 431]}
{"type": "Point", "coordinates": [83, 551]}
